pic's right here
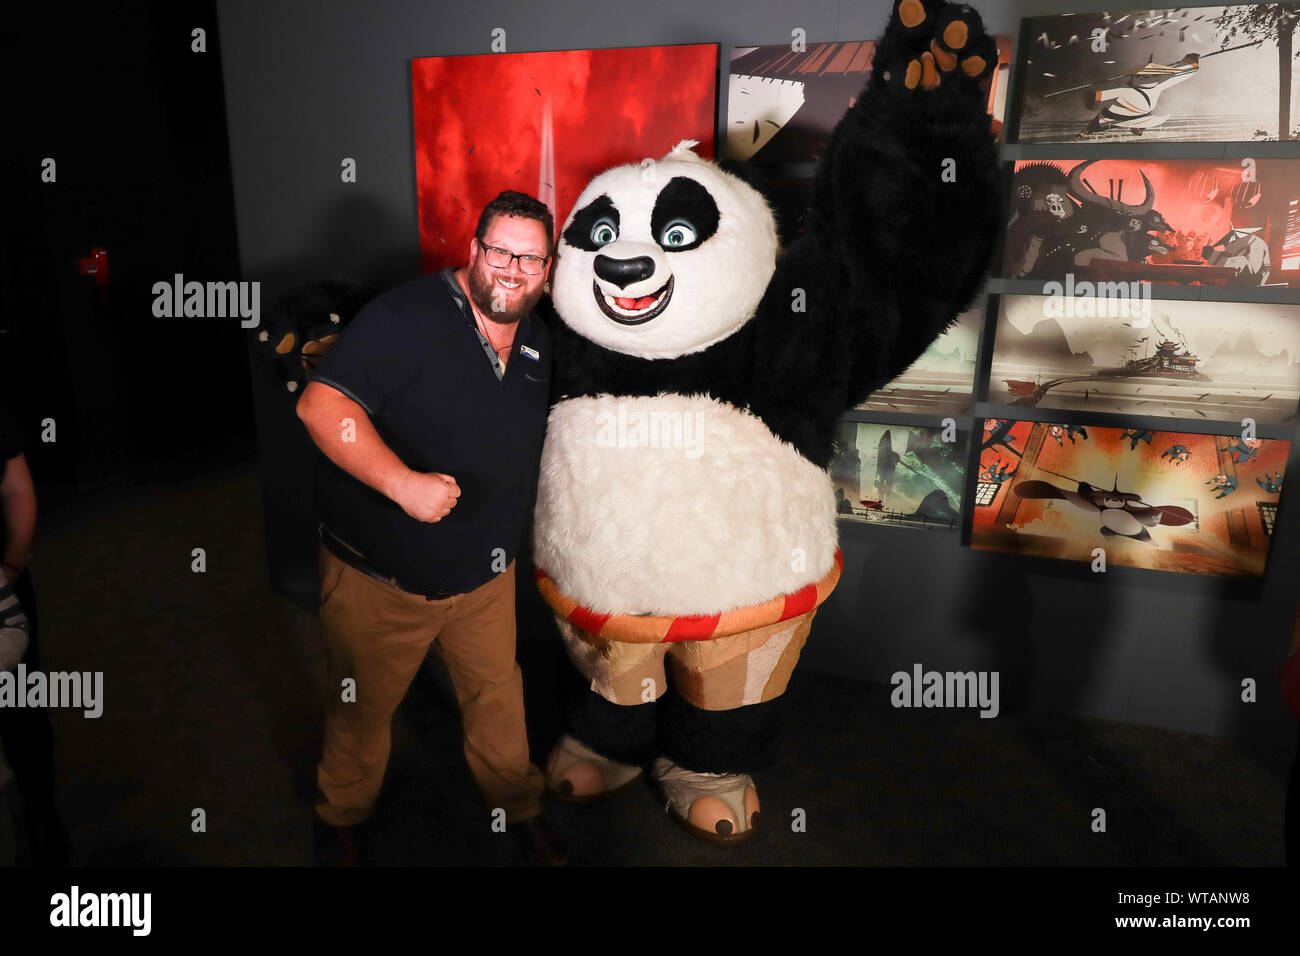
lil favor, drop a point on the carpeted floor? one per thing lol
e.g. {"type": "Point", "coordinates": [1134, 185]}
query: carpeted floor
{"type": "Point", "coordinates": [212, 702]}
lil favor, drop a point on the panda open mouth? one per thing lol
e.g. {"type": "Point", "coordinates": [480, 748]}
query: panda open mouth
{"type": "Point", "coordinates": [633, 311]}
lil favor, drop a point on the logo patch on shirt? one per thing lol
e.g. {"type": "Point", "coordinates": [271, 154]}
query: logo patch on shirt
{"type": "Point", "coordinates": [531, 353]}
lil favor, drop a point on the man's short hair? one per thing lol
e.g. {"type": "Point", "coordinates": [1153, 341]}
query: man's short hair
{"type": "Point", "coordinates": [521, 205]}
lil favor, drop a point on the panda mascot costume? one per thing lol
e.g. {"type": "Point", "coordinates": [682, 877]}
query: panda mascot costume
{"type": "Point", "coordinates": [685, 518]}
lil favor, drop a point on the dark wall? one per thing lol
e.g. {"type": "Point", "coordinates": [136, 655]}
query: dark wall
{"type": "Point", "coordinates": [135, 121]}
{"type": "Point", "coordinates": [309, 83]}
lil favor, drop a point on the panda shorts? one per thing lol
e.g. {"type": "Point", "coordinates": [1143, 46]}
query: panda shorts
{"type": "Point", "coordinates": [720, 673]}
{"type": "Point", "coordinates": [749, 661]}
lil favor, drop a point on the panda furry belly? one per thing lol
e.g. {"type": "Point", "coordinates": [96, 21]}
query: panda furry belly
{"type": "Point", "coordinates": [677, 504]}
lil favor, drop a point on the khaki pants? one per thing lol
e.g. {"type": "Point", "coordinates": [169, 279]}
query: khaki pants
{"type": "Point", "coordinates": [379, 635]}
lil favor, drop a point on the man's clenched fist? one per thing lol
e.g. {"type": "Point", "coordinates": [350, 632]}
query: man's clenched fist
{"type": "Point", "coordinates": [427, 497]}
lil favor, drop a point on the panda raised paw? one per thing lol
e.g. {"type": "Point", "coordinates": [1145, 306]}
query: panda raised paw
{"type": "Point", "coordinates": [931, 42]}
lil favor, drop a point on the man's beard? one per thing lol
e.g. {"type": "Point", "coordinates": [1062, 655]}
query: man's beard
{"type": "Point", "coordinates": [484, 293]}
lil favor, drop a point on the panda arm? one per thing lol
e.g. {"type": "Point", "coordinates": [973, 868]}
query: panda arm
{"type": "Point", "coordinates": [891, 252]}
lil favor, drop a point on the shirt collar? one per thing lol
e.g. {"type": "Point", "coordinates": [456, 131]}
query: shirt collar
{"type": "Point", "coordinates": [457, 293]}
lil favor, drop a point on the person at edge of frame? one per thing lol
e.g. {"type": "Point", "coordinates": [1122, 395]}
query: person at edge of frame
{"type": "Point", "coordinates": [26, 734]}
{"type": "Point", "coordinates": [1290, 673]}
{"type": "Point", "coordinates": [430, 411]}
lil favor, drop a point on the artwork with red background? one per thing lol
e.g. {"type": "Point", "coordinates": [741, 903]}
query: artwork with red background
{"type": "Point", "coordinates": [545, 124]}
{"type": "Point", "coordinates": [1053, 229]}
{"type": "Point", "coordinates": [1217, 496]}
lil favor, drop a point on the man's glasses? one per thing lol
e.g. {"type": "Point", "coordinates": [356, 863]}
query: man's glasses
{"type": "Point", "coordinates": [501, 258]}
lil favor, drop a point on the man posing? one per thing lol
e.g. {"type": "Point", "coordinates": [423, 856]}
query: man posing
{"type": "Point", "coordinates": [431, 409]}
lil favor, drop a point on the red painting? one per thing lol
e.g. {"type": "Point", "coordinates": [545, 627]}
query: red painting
{"type": "Point", "coordinates": [1223, 222]}
{"type": "Point", "coordinates": [545, 124]}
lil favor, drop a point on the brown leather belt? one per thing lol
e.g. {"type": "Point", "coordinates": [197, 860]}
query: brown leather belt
{"type": "Point", "coordinates": [354, 558]}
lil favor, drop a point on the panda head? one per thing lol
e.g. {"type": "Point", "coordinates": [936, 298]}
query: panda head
{"type": "Point", "coordinates": [661, 259]}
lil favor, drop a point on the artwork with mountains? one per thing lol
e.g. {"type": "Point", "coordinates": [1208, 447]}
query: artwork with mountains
{"type": "Point", "coordinates": [899, 475]}
{"type": "Point", "coordinates": [1214, 361]}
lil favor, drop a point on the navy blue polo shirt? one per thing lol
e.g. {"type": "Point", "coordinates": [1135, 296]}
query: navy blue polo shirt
{"type": "Point", "coordinates": [413, 360]}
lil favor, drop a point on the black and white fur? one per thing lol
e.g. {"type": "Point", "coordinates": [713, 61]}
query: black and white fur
{"type": "Point", "coordinates": [891, 253]}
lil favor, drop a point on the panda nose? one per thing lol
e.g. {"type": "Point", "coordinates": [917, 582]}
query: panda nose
{"type": "Point", "coordinates": [623, 272]}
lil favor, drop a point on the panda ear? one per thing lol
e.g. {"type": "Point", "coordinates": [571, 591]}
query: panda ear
{"type": "Point", "coordinates": [683, 150]}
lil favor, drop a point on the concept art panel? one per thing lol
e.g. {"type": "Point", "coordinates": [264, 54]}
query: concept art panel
{"type": "Point", "coordinates": [1183, 74]}
{"type": "Point", "coordinates": [1170, 501]}
{"type": "Point", "coordinates": [1219, 361]}
{"type": "Point", "coordinates": [1176, 221]}
{"type": "Point", "coordinates": [900, 475]}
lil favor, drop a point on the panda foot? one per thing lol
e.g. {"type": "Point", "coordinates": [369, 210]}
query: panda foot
{"type": "Point", "coordinates": [577, 775]}
{"type": "Point", "coordinates": [718, 808]}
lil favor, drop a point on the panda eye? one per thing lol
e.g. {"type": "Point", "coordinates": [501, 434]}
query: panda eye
{"type": "Point", "coordinates": [603, 232]}
{"type": "Point", "coordinates": [677, 233]}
